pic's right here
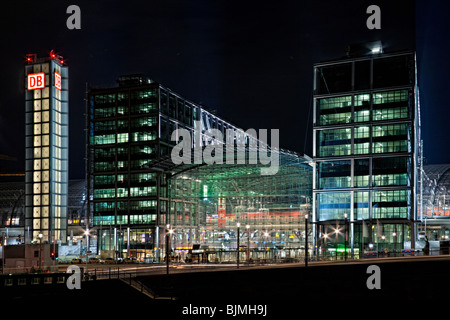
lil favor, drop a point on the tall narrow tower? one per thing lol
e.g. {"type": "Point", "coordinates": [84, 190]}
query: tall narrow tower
{"type": "Point", "coordinates": [46, 143]}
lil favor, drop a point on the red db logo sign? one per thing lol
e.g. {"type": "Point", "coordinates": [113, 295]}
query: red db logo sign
{"type": "Point", "coordinates": [36, 81]}
{"type": "Point", "coordinates": [57, 81]}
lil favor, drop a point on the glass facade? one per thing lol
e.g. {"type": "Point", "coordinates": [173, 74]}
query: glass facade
{"type": "Point", "coordinates": [131, 174]}
{"type": "Point", "coordinates": [208, 202]}
{"type": "Point", "coordinates": [46, 121]}
{"type": "Point", "coordinates": [365, 149]}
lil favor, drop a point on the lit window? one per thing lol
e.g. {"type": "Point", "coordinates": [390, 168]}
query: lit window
{"type": "Point", "coordinates": [37, 128]}
{"type": "Point", "coordinates": [36, 223]}
{"type": "Point", "coordinates": [45, 116]}
{"type": "Point", "coordinates": [37, 117]}
{"type": "Point", "coordinates": [37, 152]}
{"type": "Point", "coordinates": [37, 105]}
{"type": "Point", "coordinates": [37, 176]}
{"type": "Point", "coordinates": [45, 140]}
{"type": "Point", "coordinates": [45, 164]}
{"type": "Point", "coordinates": [37, 164]}
{"type": "Point", "coordinates": [45, 104]}
{"type": "Point", "coordinates": [37, 188]}
{"type": "Point", "coordinates": [45, 175]}
{"type": "Point", "coordinates": [45, 200]}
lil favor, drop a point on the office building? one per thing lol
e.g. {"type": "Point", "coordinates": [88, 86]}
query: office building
{"type": "Point", "coordinates": [366, 151]}
{"type": "Point", "coordinates": [138, 195]}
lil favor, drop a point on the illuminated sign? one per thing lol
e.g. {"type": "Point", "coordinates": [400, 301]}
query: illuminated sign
{"type": "Point", "coordinates": [57, 81]}
{"type": "Point", "coordinates": [36, 81]}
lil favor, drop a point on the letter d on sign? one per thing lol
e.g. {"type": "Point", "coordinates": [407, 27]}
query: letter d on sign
{"type": "Point", "coordinates": [374, 281]}
{"type": "Point", "coordinates": [74, 280]}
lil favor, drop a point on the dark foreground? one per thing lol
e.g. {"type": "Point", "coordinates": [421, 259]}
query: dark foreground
{"type": "Point", "coordinates": [281, 289]}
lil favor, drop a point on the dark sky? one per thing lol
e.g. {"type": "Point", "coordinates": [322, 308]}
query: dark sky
{"type": "Point", "coordinates": [251, 61]}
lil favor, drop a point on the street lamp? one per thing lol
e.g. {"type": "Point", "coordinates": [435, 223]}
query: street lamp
{"type": "Point", "coordinates": [266, 235]}
{"type": "Point", "coordinates": [325, 237]}
{"type": "Point", "coordinates": [337, 240]}
{"type": "Point", "coordinates": [306, 240]}
{"type": "Point", "coordinates": [248, 243]}
{"type": "Point", "coordinates": [169, 232]}
{"type": "Point", "coordinates": [238, 225]}
{"type": "Point", "coordinates": [40, 248]}
{"type": "Point", "coordinates": [345, 236]}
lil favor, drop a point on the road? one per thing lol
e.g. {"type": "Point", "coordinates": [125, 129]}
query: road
{"type": "Point", "coordinates": [111, 270]}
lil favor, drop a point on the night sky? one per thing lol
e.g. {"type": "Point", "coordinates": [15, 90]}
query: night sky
{"type": "Point", "coordinates": [250, 61]}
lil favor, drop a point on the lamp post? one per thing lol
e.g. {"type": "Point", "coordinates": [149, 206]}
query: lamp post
{"type": "Point", "coordinates": [248, 244]}
{"type": "Point", "coordinates": [266, 235]}
{"type": "Point", "coordinates": [40, 248]}
{"type": "Point", "coordinates": [345, 236]}
{"type": "Point", "coordinates": [238, 225]}
{"type": "Point", "coordinates": [169, 231]}
{"type": "Point", "coordinates": [306, 240]}
{"type": "Point", "coordinates": [337, 241]}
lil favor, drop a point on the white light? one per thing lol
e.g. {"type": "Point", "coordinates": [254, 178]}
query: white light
{"type": "Point", "coordinates": [376, 50]}
{"type": "Point", "coordinates": [238, 224]}
{"type": "Point", "coordinates": [247, 226]}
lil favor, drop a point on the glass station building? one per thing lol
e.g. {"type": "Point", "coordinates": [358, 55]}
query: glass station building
{"type": "Point", "coordinates": [366, 151]}
{"type": "Point", "coordinates": [137, 195]}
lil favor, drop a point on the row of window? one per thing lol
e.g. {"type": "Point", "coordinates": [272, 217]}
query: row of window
{"type": "Point", "coordinates": [122, 205]}
{"type": "Point", "coordinates": [401, 179]}
{"type": "Point", "coordinates": [386, 106]}
{"type": "Point", "coordinates": [393, 171]}
{"type": "Point", "coordinates": [124, 192]}
{"type": "Point", "coordinates": [385, 204]}
{"type": "Point", "coordinates": [123, 137]}
{"type": "Point", "coordinates": [148, 177]}
{"type": "Point", "coordinates": [384, 138]}
{"type": "Point", "coordinates": [104, 166]}
{"type": "Point", "coordinates": [124, 219]}
{"type": "Point", "coordinates": [136, 150]}
{"type": "Point", "coordinates": [142, 102]}
{"type": "Point", "coordinates": [122, 124]}
{"type": "Point", "coordinates": [377, 73]}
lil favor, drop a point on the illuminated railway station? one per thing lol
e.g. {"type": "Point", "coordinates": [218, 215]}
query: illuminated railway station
{"type": "Point", "coordinates": [143, 203]}
{"type": "Point", "coordinates": [210, 202]}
